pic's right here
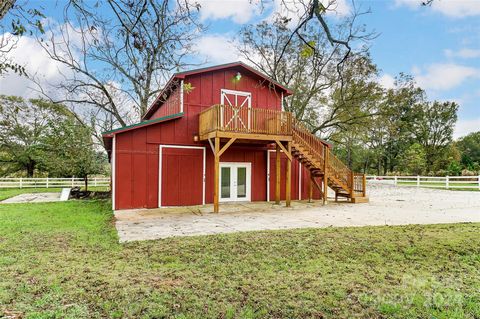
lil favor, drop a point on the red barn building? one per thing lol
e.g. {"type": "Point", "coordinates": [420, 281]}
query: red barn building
{"type": "Point", "coordinates": [220, 134]}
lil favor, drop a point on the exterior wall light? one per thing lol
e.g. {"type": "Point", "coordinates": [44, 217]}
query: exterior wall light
{"type": "Point", "coordinates": [238, 76]}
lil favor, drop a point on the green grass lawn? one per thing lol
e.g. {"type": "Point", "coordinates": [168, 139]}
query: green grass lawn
{"type": "Point", "coordinates": [62, 260]}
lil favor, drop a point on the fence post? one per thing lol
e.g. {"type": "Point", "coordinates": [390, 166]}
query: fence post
{"type": "Point", "coordinates": [395, 180]}
{"type": "Point", "coordinates": [47, 182]}
{"type": "Point", "coordinates": [447, 184]}
{"type": "Point", "coordinates": [95, 181]}
{"type": "Point", "coordinates": [21, 184]}
{"type": "Point", "coordinates": [418, 180]}
{"type": "Point", "coordinates": [73, 181]}
{"type": "Point", "coordinates": [479, 182]}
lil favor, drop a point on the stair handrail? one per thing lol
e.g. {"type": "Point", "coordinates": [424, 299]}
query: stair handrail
{"type": "Point", "coordinates": [340, 171]}
{"type": "Point", "coordinates": [315, 146]}
{"type": "Point", "coordinates": [309, 141]}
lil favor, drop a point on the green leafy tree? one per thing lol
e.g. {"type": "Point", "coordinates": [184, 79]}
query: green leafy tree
{"type": "Point", "coordinates": [39, 137]}
{"type": "Point", "coordinates": [23, 125]}
{"type": "Point", "coordinates": [69, 151]}
{"type": "Point", "coordinates": [469, 147]}
{"type": "Point", "coordinates": [413, 160]}
{"type": "Point", "coordinates": [433, 128]}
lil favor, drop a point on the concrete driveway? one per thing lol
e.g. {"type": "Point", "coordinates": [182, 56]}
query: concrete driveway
{"type": "Point", "coordinates": [389, 205]}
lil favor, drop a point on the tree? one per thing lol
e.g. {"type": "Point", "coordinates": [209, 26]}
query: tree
{"type": "Point", "coordinates": [69, 151]}
{"type": "Point", "coordinates": [310, 71]}
{"type": "Point", "coordinates": [469, 147]}
{"type": "Point", "coordinates": [315, 12]}
{"type": "Point", "coordinates": [22, 129]}
{"type": "Point", "coordinates": [5, 6]}
{"type": "Point", "coordinates": [20, 21]}
{"type": "Point", "coordinates": [40, 137]}
{"type": "Point", "coordinates": [413, 160]}
{"type": "Point", "coordinates": [434, 128]}
{"type": "Point", "coordinates": [120, 53]}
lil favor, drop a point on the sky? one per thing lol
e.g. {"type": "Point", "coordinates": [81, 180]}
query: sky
{"type": "Point", "coordinates": [438, 45]}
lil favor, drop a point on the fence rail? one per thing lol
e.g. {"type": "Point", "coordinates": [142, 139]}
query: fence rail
{"type": "Point", "coordinates": [447, 182]}
{"type": "Point", "coordinates": [48, 182]}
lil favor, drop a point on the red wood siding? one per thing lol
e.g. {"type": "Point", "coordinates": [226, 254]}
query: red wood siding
{"type": "Point", "coordinates": [137, 151]}
{"type": "Point", "coordinates": [208, 85]}
{"type": "Point", "coordinates": [170, 106]}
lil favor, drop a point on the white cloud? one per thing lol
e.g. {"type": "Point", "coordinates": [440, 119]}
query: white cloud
{"type": "Point", "coordinates": [463, 53]}
{"type": "Point", "coordinates": [464, 127]}
{"type": "Point", "coordinates": [221, 48]}
{"type": "Point", "coordinates": [28, 53]}
{"type": "Point", "coordinates": [450, 8]}
{"type": "Point", "coordinates": [217, 48]}
{"type": "Point", "coordinates": [387, 81]}
{"type": "Point", "coordinates": [444, 76]}
{"type": "Point", "coordinates": [240, 11]}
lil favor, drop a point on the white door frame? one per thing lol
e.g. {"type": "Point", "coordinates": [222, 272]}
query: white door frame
{"type": "Point", "coordinates": [233, 188]}
{"type": "Point", "coordinates": [113, 158]}
{"type": "Point", "coordinates": [268, 176]}
{"type": "Point", "coordinates": [162, 146]}
{"type": "Point", "coordinates": [248, 95]}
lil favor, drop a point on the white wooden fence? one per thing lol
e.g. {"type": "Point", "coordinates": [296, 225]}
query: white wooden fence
{"type": "Point", "coordinates": [447, 182]}
{"type": "Point", "coordinates": [48, 182]}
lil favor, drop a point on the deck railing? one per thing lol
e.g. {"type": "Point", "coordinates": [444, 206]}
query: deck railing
{"type": "Point", "coordinates": [229, 118]}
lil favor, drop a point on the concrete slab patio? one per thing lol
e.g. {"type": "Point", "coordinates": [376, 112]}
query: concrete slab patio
{"type": "Point", "coordinates": [389, 205]}
{"type": "Point", "coordinates": [33, 198]}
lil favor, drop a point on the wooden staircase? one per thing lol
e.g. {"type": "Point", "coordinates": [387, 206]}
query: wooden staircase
{"type": "Point", "coordinates": [316, 156]}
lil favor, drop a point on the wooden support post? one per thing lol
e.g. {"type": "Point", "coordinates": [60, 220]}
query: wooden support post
{"type": "Point", "coordinates": [352, 183]}
{"type": "Point", "coordinates": [310, 188]}
{"type": "Point", "coordinates": [288, 180]}
{"type": "Point", "coordinates": [277, 175]}
{"type": "Point", "coordinates": [364, 185]}
{"type": "Point", "coordinates": [216, 177]}
{"type": "Point", "coordinates": [325, 177]}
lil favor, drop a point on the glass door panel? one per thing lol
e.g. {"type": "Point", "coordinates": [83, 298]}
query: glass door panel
{"type": "Point", "coordinates": [225, 183]}
{"type": "Point", "coordinates": [241, 182]}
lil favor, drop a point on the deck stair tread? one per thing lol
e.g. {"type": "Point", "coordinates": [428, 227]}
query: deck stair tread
{"type": "Point", "coordinates": [310, 151]}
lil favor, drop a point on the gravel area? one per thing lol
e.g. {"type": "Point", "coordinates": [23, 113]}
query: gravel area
{"type": "Point", "coordinates": [389, 205]}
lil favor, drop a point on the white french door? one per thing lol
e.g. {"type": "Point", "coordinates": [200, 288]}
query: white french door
{"type": "Point", "coordinates": [235, 182]}
{"type": "Point", "coordinates": [237, 116]}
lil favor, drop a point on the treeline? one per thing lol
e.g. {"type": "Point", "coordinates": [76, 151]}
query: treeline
{"type": "Point", "coordinates": [39, 138]}
{"type": "Point", "coordinates": [339, 97]}
{"type": "Point", "coordinates": [409, 135]}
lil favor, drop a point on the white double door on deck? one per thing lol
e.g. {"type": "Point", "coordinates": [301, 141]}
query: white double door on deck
{"type": "Point", "coordinates": [235, 182]}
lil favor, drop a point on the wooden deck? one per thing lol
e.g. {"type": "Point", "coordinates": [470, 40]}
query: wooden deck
{"type": "Point", "coordinates": [227, 121]}
{"type": "Point", "coordinates": [228, 124]}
